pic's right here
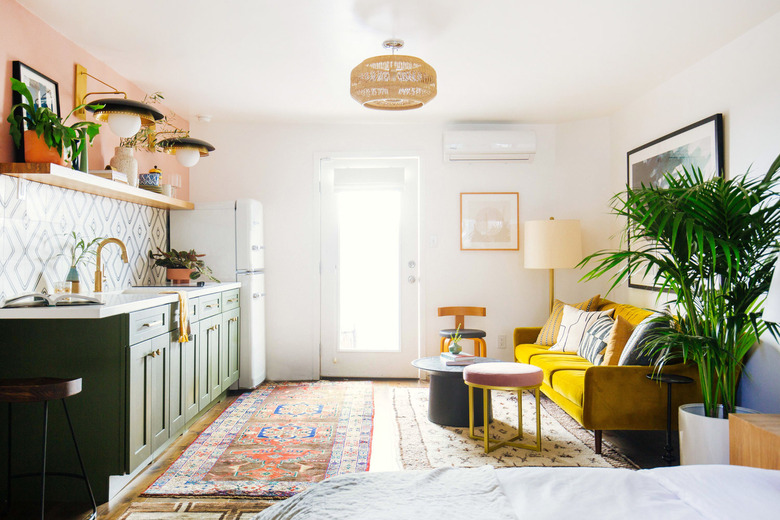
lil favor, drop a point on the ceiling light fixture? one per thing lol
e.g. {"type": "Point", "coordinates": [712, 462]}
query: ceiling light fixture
{"type": "Point", "coordinates": [393, 82]}
{"type": "Point", "coordinates": [187, 150]}
{"type": "Point", "coordinates": [124, 116]}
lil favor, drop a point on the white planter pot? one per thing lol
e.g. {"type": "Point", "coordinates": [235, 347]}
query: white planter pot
{"type": "Point", "coordinates": [124, 162]}
{"type": "Point", "coordinates": [704, 440]}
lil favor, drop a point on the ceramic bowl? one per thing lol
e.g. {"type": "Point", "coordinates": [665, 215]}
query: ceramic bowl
{"type": "Point", "coordinates": [149, 179]}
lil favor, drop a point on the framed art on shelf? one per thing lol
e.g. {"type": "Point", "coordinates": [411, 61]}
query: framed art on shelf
{"type": "Point", "coordinates": [699, 145]}
{"type": "Point", "coordinates": [45, 92]}
{"type": "Point", "coordinates": [489, 221]}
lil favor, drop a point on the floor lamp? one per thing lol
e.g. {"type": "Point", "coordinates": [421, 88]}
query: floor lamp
{"type": "Point", "coordinates": [552, 244]}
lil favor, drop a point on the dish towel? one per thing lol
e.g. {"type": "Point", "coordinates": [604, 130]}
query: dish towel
{"type": "Point", "coordinates": [184, 318]}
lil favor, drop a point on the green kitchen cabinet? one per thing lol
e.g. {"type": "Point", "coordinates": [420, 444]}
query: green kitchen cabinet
{"type": "Point", "coordinates": [208, 352]}
{"type": "Point", "coordinates": [232, 325]}
{"type": "Point", "coordinates": [190, 369]}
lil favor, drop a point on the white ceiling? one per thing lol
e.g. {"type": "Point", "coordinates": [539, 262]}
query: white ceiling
{"type": "Point", "coordinates": [496, 60]}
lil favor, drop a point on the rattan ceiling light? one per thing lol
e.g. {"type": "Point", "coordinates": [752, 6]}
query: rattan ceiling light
{"type": "Point", "coordinates": [393, 82]}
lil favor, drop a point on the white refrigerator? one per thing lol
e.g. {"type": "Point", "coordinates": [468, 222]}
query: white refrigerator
{"type": "Point", "coordinates": [230, 234]}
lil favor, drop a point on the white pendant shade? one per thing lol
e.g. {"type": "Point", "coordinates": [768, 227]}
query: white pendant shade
{"type": "Point", "coordinates": [552, 244]}
{"type": "Point", "coordinates": [187, 157]}
{"type": "Point", "coordinates": [124, 125]}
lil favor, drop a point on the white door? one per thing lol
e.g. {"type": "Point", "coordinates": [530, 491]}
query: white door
{"type": "Point", "coordinates": [369, 289]}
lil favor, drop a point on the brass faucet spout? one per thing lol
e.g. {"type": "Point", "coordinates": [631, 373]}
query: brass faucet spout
{"type": "Point", "coordinates": [98, 270]}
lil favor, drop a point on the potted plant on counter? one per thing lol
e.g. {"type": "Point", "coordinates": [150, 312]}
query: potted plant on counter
{"type": "Point", "coordinates": [182, 266]}
{"type": "Point", "coordinates": [713, 245]}
{"type": "Point", "coordinates": [80, 251]}
{"type": "Point", "coordinates": [46, 137]}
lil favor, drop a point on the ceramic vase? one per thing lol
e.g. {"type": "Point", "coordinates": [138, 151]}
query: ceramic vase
{"type": "Point", "coordinates": [455, 348]}
{"type": "Point", "coordinates": [124, 162]}
{"type": "Point", "coordinates": [704, 440]}
{"type": "Point", "coordinates": [73, 278]}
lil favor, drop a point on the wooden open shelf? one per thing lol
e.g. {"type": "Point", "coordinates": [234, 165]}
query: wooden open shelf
{"type": "Point", "coordinates": [55, 175]}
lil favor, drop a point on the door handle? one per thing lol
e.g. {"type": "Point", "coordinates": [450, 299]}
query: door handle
{"type": "Point", "coordinates": [411, 279]}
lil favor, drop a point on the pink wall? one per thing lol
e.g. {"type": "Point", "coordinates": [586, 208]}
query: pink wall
{"type": "Point", "coordinates": [26, 38]}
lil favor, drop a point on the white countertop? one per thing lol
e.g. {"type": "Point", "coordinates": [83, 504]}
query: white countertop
{"type": "Point", "coordinates": [116, 302]}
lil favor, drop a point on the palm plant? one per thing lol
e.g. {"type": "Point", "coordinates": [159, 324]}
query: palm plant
{"type": "Point", "coordinates": [712, 244]}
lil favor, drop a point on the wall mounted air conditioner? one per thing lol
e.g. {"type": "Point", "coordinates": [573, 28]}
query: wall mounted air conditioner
{"type": "Point", "coordinates": [489, 145]}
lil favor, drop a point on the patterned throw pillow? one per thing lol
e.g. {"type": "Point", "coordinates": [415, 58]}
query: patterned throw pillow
{"type": "Point", "coordinates": [616, 341]}
{"type": "Point", "coordinates": [594, 342]}
{"type": "Point", "coordinates": [633, 352]}
{"type": "Point", "coordinates": [549, 333]}
{"type": "Point", "coordinates": [574, 323]}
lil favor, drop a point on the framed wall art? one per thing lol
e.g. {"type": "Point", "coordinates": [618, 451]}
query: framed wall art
{"type": "Point", "coordinates": [489, 221]}
{"type": "Point", "coordinates": [45, 92]}
{"type": "Point", "coordinates": [699, 145]}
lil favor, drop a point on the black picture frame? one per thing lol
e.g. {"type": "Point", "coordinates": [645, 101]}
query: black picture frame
{"type": "Point", "coordinates": [42, 88]}
{"type": "Point", "coordinates": [699, 145]}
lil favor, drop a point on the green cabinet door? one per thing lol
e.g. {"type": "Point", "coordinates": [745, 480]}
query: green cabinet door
{"type": "Point", "coordinates": [140, 403]}
{"type": "Point", "coordinates": [191, 371]}
{"type": "Point", "coordinates": [177, 374]}
{"type": "Point", "coordinates": [208, 349]}
{"type": "Point", "coordinates": [232, 326]}
{"type": "Point", "coordinates": [160, 389]}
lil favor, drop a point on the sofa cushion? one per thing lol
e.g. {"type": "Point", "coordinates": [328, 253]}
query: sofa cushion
{"type": "Point", "coordinates": [570, 384]}
{"type": "Point", "coordinates": [573, 326]}
{"type": "Point", "coordinates": [594, 342]}
{"type": "Point", "coordinates": [555, 361]}
{"type": "Point", "coordinates": [633, 352]}
{"type": "Point", "coordinates": [634, 315]}
{"type": "Point", "coordinates": [617, 340]}
{"type": "Point", "coordinates": [549, 333]}
{"type": "Point", "coordinates": [524, 352]}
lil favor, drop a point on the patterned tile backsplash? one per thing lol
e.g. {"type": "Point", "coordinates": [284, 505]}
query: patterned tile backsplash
{"type": "Point", "coordinates": [36, 237]}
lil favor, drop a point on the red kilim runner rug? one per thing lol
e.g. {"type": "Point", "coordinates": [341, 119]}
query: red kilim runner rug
{"type": "Point", "coordinates": [277, 441]}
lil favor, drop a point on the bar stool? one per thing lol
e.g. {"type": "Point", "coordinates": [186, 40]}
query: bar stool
{"type": "Point", "coordinates": [480, 347]}
{"type": "Point", "coordinates": [509, 377]}
{"type": "Point", "coordinates": [36, 390]}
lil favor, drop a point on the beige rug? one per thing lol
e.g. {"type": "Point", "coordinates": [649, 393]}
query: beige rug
{"type": "Point", "coordinates": [200, 509]}
{"type": "Point", "coordinates": [427, 445]}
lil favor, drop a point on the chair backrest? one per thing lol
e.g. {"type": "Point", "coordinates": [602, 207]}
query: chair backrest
{"type": "Point", "coordinates": [460, 312]}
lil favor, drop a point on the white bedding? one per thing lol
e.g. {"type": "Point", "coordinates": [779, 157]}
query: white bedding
{"type": "Point", "coordinates": [686, 492]}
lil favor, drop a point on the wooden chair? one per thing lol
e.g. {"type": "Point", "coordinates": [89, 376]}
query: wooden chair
{"type": "Point", "coordinates": [37, 390]}
{"type": "Point", "coordinates": [480, 347]}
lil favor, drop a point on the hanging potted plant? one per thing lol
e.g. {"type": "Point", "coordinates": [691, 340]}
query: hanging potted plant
{"type": "Point", "coordinates": [46, 137]}
{"type": "Point", "coordinates": [182, 266]}
{"type": "Point", "coordinates": [712, 244]}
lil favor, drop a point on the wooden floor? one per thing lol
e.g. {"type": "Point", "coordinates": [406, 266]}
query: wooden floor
{"type": "Point", "coordinates": [384, 457]}
{"type": "Point", "coordinates": [644, 448]}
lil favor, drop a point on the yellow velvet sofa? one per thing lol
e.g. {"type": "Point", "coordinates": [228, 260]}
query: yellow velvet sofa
{"type": "Point", "coordinates": [606, 397]}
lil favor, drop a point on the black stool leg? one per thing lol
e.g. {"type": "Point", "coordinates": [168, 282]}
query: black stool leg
{"type": "Point", "coordinates": [8, 482]}
{"type": "Point", "coordinates": [81, 462]}
{"type": "Point", "coordinates": [43, 468]}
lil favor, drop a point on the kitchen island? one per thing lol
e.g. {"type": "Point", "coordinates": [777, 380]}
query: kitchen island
{"type": "Point", "coordinates": [141, 386]}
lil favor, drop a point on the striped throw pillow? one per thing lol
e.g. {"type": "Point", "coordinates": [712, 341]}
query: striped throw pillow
{"type": "Point", "coordinates": [549, 333]}
{"type": "Point", "coordinates": [594, 343]}
{"type": "Point", "coordinates": [573, 326]}
{"type": "Point", "coordinates": [633, 353]}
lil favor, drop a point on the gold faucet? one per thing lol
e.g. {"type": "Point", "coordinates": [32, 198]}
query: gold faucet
{"type": "Point", "coordinates": [98, 271]}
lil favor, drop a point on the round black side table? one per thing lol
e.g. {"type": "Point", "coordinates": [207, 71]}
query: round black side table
{"type": "Point", "coordinates": [669, 379]}
{"type": "Point", "coordinates": [448, 395]}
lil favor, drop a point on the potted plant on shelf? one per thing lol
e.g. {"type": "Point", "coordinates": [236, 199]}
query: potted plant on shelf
{"type": "Point", "coordinates": [182, 266]}
{"type": "Point", "coordinates": [81, 250]}
{"type": "Point", "coordinates": [46, 137]}
{"type": "Point", "coordinates": [712, 244]}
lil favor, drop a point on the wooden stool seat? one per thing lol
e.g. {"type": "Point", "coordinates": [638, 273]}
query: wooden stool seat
{"type": "Point", "coordinates": [37, 389]}
{"type": "Point", "coordinates": [480, 347]}
{"type": "Point", "coordinates": [508, 377]}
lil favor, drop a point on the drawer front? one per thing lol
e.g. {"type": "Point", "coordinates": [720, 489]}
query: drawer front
{"type": "Point", "coordinates": [149, 323]}
{"type": "Point", "coordinates": [193, 315]}
{"type": "Point", "coordinates": [209, 305]}
{"type": "Point", "coordinates": [230, 300]}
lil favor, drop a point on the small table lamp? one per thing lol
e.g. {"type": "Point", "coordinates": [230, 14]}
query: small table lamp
{"type": "Point", "coordinates": [552, 244]}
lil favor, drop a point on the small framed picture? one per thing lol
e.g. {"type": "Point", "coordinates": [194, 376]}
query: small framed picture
{"type": "Point", "coordinates": [489, 221]}
{"type": "Point", "coordinates": [699, 145]}
{"type": "Point", "coordinates": [44, 90]}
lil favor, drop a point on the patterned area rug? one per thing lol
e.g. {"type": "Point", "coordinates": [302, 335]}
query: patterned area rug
{"type": "Point", "coordinates": [277, 441]}
{"type": "Point", "coordinates": [427, 445]}
{"type": "Point", "coordinates": [205, 509]}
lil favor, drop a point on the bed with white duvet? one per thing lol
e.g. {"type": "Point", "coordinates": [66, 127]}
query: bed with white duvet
{"type": "Point", "coordinates": [676, 493]}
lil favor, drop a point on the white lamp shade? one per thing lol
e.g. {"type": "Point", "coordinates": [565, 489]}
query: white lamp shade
{"type": "Point", "coordinates": [124, 125]}
{"type": "Point", "coordinates": [552, 244]}
{"type": "Point", "coordinates": [187, 157]}
{"type": "Point", "coordinates": [772, 303]}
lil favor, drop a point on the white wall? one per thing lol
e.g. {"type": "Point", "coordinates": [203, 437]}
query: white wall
{"type": "Point", "coordinates": [276, 164]}
{"type": "Point", "coordinates": [741, 82]}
